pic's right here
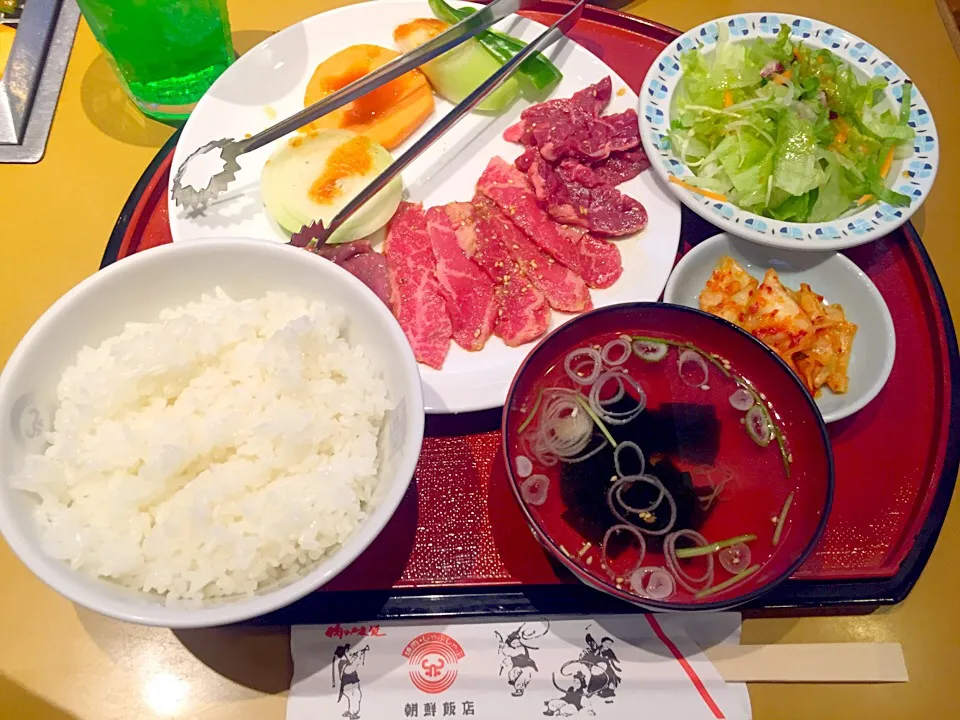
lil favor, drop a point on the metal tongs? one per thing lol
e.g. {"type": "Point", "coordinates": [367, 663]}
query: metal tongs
{"type": "Point", "coordinates": [231, 149]}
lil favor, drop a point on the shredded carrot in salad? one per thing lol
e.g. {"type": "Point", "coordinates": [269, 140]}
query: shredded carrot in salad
{"type": "Point", "coordinates": [887, 164]}
{"type": "Point", "coordinates": [700, 191]}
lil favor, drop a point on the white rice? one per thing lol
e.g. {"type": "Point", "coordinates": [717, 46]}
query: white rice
{"type": "Point", "coordinates": [226, 447]}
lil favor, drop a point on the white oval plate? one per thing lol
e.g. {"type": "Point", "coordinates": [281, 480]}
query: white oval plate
{"type": "Point", "coordinates": [830, 274]}
{"type": "Point", "coordinates": [268, 83]}
{"type": "Point", "coordinates": [912, 176]}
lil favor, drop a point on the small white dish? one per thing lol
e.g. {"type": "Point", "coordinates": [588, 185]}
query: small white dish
{"type": "Point", "coordinates": [911, 175]}
{"type": "Point", "coordinates": [832, 275]}
{"type": "Point", "coordinates": [137, 289]}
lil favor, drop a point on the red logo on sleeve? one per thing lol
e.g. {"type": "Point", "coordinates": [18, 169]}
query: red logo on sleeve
{"type": "Point", "coordinates": [432, 659]}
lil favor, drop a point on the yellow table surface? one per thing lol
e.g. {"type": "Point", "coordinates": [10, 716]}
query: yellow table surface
{"type": "Point", "coordinates": [58, 661]}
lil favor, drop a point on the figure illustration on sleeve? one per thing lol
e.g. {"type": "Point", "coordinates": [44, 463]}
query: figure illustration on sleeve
{"type": "Point", "coordinates": [517, 661]}
{"type": "Point", "coordinates": [576, 697]}
{"type": "Point", "coordinates": [346, 660]}
{"type": "Point", "coordinates": [604, 667]}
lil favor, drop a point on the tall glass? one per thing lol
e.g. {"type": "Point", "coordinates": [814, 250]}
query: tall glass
{"type": "Point", "coordinates": [166, 52]}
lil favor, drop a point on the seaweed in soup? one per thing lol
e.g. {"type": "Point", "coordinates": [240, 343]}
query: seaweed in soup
{"type": "Point", "coordinates": [676, 431]}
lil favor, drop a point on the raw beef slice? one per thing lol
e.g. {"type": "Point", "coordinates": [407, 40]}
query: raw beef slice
{"type": "Point", "coordinates": [509, 189]}
{"type": "Point", "coordinates": [467, 290]}
{"type": "Point", "coordinates": [600, 260]}
{"type": "Point", "coordinates": [523, 313]}
{"type": "Point", "coordinates": [621, 166]}
{"type": "Point", "coordinates": [415, 292]}
{"type": "Point", "coordinates": [588, 103]}
{"type": "Point", "coordinates": [564, 289]}
{"type": "Point", "coordinates": [574, 128]}
{"type": "Point", "coordinates": [574, 194]}
{"type": "Point", "coordinates": [363, 262]}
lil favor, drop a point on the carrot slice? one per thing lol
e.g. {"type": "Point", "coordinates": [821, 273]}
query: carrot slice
{"type": "Point", "coordinates": [864, 199]}
{"type": "Point", "coordinates": [727, 98]}
{"type": "Point", "coordinates": [700, 191]}
{"type": "Point", "coordinates": [782, 78]}
{"type": "Point", "coordinates": [887, 164]}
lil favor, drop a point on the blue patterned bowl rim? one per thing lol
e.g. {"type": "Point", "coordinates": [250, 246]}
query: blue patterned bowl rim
{"type": "Point", "coordinates": [912, 175]}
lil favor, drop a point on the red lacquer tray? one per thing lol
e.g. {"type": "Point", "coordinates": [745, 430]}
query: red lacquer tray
{"type": "Point", "coordinates": [459, 544]}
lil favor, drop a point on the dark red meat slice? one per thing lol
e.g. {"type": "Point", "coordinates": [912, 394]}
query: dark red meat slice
{"type": "Point", "coordinates": [600, 262]}
{"type": "Point", "coordinates": [509, 189]}
{"type": "Point", "coordinates": [359, 259]}
{"type": "Point", "coordinates": [523, 313]}
{"type": "Point", "coordinates": [620, 166]}
{"type": "Point", "coordinates": [415, 293]}
{"type": "Point", "coordinates": [609, 211]}
{"type": "Point", "coordinates": [371, 269]}
{"type": "Point", "coordinates": [552, 191]}
{"type": "Point", "coordinates": [584, 139]}
{"type": "Point", "coordinates": [339, 254]}
{"type": "Point", "coordinates": [594, 98]}
{"type": "Point", "coordinates": [467, 290]}
{"type": "Point", "coordinates": [526, 159]}
{"type": "Point", "coordinates": [616, 169]}
{"type": "Point", "coordinates": [624, 130]}
{"type": "Point", "coordinates": [573, 127]}
{"type": "Point", "coordinates": [560, 127]}
{"type": "Point", "coordinates": [574, 194]}
{"type": "Point", "coordinates": [564, 289]}
{"type": "Point", "coordinates": [585, 104]}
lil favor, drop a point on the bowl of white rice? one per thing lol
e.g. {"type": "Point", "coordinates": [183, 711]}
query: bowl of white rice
{"type": "Point", "coordinates": [205, 432]}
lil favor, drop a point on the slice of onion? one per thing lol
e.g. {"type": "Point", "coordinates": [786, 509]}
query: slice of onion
{"type": "Point", "coordinates": [620, 509]}
{"type": "Point", "coordinates": [611, 494]}
{"type": "Point", "coordinates": [620, 449]}
{"type": "Point", "coordinates": [597, 404]}
{"type": "Point", "coordinates": [693, 368]}
{"type": "Point", "coordinates": [583, 365]}
{"type": "Point", "coordinates": [565, 429]}
{"type": "Point", "coordinates": [601, 383]}
{"type": "Point", "coordinates": [735, 558]}
{"type": "Point", "coordinates": [741, 400]}
{"type": "Point", "coordinates": [690, 582]}
{"type": "Point", "coordinates": [586, 455]}
{"type": "Point", "coordinates": [616, 352]}
{"type": "Point", "coordinates": [660, 584]}
{"type": "Point", "coordinates": [537, 447]}
{"type": "Point", "coordinates": [650, 350]}
{"type": "Point", "coordinates": [758, 426]}
{"type": "Point", "coordinates": [524, 466]}
{"type": "Point", "coordinates": [614, 494]}
{"type": "Point", "coordinates": [641, 542]}
{"type": "Point", "coordinates": [653, 582]}
{"type": "Point", "coordinates": [534, 489]}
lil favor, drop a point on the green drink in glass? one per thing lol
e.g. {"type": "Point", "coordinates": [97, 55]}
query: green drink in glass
{"type": "Point", "coordinates": [166, 52]}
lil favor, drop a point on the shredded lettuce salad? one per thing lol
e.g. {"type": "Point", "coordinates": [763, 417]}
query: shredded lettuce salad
{"type": "Point", "coordinates": [786, 131]}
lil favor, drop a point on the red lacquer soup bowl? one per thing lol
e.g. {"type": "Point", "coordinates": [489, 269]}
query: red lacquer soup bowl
{"type": "Point", "coordinates": [666, 457]}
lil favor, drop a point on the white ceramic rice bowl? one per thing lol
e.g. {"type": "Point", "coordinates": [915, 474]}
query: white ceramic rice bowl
{"type": "Point", "coordinates": [137, 289]}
